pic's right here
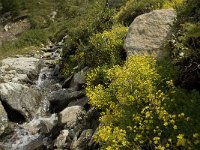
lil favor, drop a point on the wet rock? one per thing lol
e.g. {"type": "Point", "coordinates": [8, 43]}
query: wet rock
{"type": "Point", "coordinates": [18, 98]}
{"type": "Point", "coordinates": [92, 145]}
{"type": "Point", "coordinates": [78, 80]}
{"type": "Point", "coordinates": [42, 125]}
{"type": "Point", "coordinates": [79, 102]}
{"type": "Point", "coordinates": [44, 77]}
{"type": "Point", "coordinates": [56, 87]}
{"type": "Point", "coordinates": [51, 48]}
{"type": "Point", "coordinates": [61, 98]}
{"type": "Point", "coordinates": [47, 55]}
{"type": "Point", "coordinates": [20, 139]}
{"type": "Point", "coordinates": [83, 140]}
{"type": "Point", "coordinates": [7, 27]}
{"type": "Point", "coordinates": [56, 70]}
{"type": "Point", "coordinates": [66, 83]}
{"type": "Point", "coordinates": [24, 65]}
{"type": "Point", "coordinates": [3, 119]}
{"type": "Point", "coordinates": [63, 141]}
{"type": "Point", "coordinates": [27, 142]}
{"type": "Point", "coordinates": [72, 116]}
{"type": "Point", "coordinates": [21, 78]}
{"type": "Point", "coordinates": [148, 33]}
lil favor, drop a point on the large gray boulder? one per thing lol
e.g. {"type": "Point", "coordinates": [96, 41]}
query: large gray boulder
{"type": "Point", "coordinates": [148, 33]}
{"type": "Point", "coordinates": [7, 75]}
{"type": "Point", "coordinates": [20, 99]}
{"type": "Point", "coordinates": [23, 65]}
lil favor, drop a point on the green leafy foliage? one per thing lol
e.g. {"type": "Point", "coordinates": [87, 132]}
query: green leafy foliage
{"type": "Point", "coordinates": [96, 19]}
{"type": "Point", "coordinates": [39, 12]}
{"type": "Point", "coordinates": [102, 49]}
{"type": "Point", "coordinates": [26, 42]}
{"type": "Point", "coordinates": [186, 42]}
{"type": "Point", "coordinates": [133, 8]}
{"type": "Point", "coordinates": [33, 37]}
{"type": "Point", "coordinates": [107, 47]}
{"type": "Point", "coordinates": [185, 45]}
{"type": "Point", "coordinates": [14, 6]}
{"type": "Point", "coordinates": [137, 113]}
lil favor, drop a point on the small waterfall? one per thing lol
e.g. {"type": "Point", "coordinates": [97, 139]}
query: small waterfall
{"type": "Point", "coordinates": [26, 136]}
{"type": "Point", "coordinates": [44, 77]}
{"type": "Point", "coordinates": [46, 81]}
{"type": "Point", "coordinates": [26, 140]}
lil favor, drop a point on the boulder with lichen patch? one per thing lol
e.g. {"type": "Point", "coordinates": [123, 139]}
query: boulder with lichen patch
{"type": "Point", "coordinates": [148, 33]}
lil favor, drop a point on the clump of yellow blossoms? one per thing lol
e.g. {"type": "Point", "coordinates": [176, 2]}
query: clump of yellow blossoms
{"type": "Point", "coordinates": [134, 109]}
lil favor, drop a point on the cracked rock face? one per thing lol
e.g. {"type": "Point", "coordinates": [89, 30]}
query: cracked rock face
{"type": "Point", "coordinates": [23, 65]}
{"type": "Point", "coordinates": [71, 116]}
{"type": "Point", "coordinates": [80, 143]}
{"type": "Point", "coordinates": [148, 33]}
{"type": "Point", "coordinates": [63, 140]}
{"type": "Point", "coordinates": [20, 98]}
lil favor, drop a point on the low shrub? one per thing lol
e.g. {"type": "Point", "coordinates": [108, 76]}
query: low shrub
{"type": "Point", "coordinates": [102, 49]}
{"type": "Point", "coordinates": [185, 45]}
{"type": "Point", "coordinates": [133, 8]}
{"type": "Point", "coordinates": [39, 12]}
{"type": "Point", "coordinates": [173, 4]}
{"type": "Point", "coordinates": [96, 19]}
{"type": "Point", "coordinates": [32, 37]}
{"type": "Point", "coordinates": [106, 48]}
{"type": "Point", "coordinates": [13, 6]}
{"type": "Point", "coordinates": [137, 113]}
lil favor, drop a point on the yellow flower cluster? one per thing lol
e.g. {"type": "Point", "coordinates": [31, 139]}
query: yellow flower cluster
{"type": "Point", "coordinates": [173, 3]}
{"type": "Point", "coordinates": [134, 113]}
{"type": "Point", "coordinates": [133, 8]}
{"type": "Point", "coordinates": [106, 47]}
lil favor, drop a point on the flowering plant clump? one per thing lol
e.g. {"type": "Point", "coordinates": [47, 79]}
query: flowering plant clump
{"type": "Point", "coordinates": [106, 48]}
{"type": "Point", "coordinates": [134, 8]}
{"type": "Point", "coordinates": [135, 112]}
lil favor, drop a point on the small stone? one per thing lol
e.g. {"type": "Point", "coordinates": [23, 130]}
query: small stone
{"type": "Point", "coordinates": [83, 140]}
{"type": "Point", "coordinates": [63, 140]}
{"type": "Point", "coordinates": [72, 116]}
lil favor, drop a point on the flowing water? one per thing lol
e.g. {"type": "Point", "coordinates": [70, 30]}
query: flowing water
{"type": "Point", "coordinates": [25, 136]}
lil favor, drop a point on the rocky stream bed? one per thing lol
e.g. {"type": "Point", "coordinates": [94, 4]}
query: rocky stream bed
{"type": "Point", "coordinates": [41, 110]}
